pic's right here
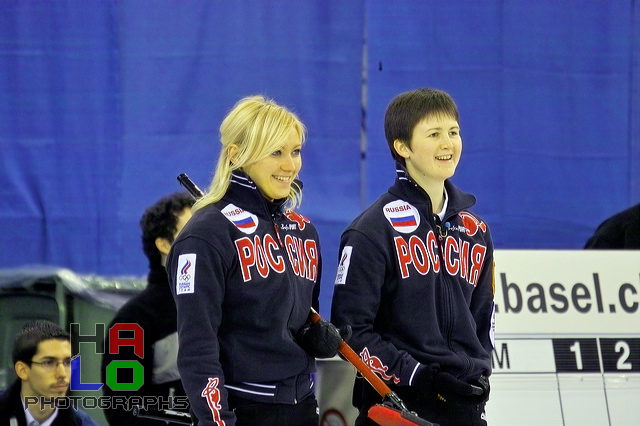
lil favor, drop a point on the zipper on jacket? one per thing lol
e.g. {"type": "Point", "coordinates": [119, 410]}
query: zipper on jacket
{"type": "Point", "coordinates": [289, 270]}
{"type": "Point", "coordinates": [446, 288]}
{"type": "Point", "coordinates": [275, 228]}
{"type": "Point", "coordinates": [442, 234]}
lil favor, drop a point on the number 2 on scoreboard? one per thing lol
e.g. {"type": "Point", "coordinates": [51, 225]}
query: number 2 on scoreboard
{"type": "Point", "coordinates": [620, 355]}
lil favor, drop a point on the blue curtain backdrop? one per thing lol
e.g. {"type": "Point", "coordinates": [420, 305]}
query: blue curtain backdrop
{"type": "Point", "coordinates": [549, 97]}
{"type": "Point", "coordinates": [104, 103]}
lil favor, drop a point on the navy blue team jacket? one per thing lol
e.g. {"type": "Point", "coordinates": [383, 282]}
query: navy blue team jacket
{"type": "Point", "coordinates": [416, 291]}
{"type": "Point", "coordinates": [244, 274]}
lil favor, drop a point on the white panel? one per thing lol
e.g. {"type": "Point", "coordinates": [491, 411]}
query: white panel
{"type": "Point", "coordinates": [623, 396]}
{"type": "Point", "coordinates": [334, 388]}
{"type": "Point", "coordinates": [583, 399]}
{"type": "Point", "coordinates": [566, 291]}
{"type": "Point", "coordinates": [523, 400]}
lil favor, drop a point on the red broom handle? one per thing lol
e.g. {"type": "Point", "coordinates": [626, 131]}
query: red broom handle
{"type": "Point", "coordinates": [375, 381]}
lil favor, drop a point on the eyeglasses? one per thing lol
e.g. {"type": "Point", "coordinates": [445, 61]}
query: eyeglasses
{"type": "Point", "coordinates": [52, 364]}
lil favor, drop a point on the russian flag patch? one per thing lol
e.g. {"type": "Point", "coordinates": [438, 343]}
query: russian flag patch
{"type": "Point", "coordinates": [404, 217]}
{"type": "Point", "coordinates": [242, 219]}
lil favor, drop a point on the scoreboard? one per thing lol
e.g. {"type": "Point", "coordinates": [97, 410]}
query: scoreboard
{"type": "Point", "coordinates": [565, 381]}
{"type": "Point", "coordinates": [568, 355]}
{"type": "Point", "coordinates": [567, 349]}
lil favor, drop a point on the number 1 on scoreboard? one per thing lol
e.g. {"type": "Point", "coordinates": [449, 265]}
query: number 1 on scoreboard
{"type": "Point", "coordinates": [575, 348]}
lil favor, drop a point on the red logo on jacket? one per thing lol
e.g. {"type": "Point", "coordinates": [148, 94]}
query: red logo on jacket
{"type": "Point", "coordinates": [472, 223]}
{"type": "Point", "coordinates": [376, 365]}
{"type": "Point", "coordinates": [262, 255]}
{"type": "Point", "coordinates": [458, 257]}
{"type": "Point", "coordinates": [212, 394]}
{"type": "Point", "coordinates": [297, 218]}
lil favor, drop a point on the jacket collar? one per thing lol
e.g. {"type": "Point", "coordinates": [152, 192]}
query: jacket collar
{"type": "Point", "coordinates": [244, 193]}
{"type": "Point", "coordinates": [406, 189]}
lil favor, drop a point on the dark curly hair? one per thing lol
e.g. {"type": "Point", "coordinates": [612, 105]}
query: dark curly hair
{"type": "Point", "coordinates": [29, 337]}
{"type": "Point", "coordinates": [160, 221]}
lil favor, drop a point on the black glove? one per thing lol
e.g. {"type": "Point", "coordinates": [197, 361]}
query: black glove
{"type": "Point", "coordinates": [483, 383]}
{"type": "Point", "coordinates": [432, 380]}
{"type": "Point", "coordinates": [322, 339]}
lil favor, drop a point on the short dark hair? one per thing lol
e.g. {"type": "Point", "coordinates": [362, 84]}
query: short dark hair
{"type": "Point", "coordinates": [160, 221]}
{"type": "Point", "coordinates": [406, 110]}
{"type": "Point", "coordinates": [27, 340]}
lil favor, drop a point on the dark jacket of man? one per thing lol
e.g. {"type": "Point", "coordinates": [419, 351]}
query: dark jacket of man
{"type": "Point", "coordinates": [155, 311]}
{"type": "Point", "coordinates": [620, 231]}
{"type": "Point", "coordinates": [11, 407]}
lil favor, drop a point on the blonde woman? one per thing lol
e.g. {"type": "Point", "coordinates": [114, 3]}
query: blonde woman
{"type": "Point", "coordinates": [245, 271]}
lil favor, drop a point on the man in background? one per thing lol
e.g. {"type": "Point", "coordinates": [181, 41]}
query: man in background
{"type": "Point", "coordinates": [154, 310]}
{"type": "Point", "coordinates": [42, 362]}
{"type": "Point", "coordinates": [620, 231]}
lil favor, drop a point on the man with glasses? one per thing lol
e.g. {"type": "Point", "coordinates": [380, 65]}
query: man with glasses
{"type": "Point", "coordinates": [42, 362]}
